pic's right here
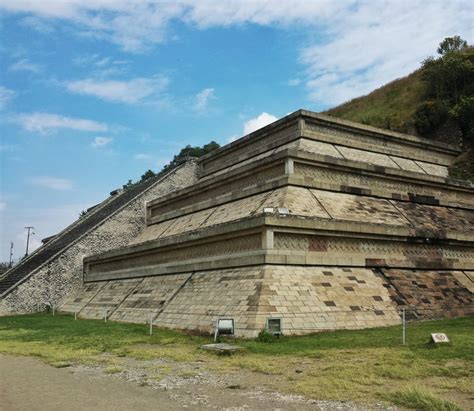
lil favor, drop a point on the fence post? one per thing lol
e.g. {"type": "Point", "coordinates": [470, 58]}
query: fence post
{"type": "Point", "coordinates": [151, 324]}
{"type": "Point", "coordinates": [52, 305]}
{"type": "Point", "coordinates": [403, 327]}
{"type": "Point", "coordinates": [105, 316]}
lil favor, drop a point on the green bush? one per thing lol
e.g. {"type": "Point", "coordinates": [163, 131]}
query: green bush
{"type": "Point", "coordinates": [430, 115]}
{"type": "Point", "coordinates": [265, 336]}
{"type": "Point", "coordinates": [463, 112]}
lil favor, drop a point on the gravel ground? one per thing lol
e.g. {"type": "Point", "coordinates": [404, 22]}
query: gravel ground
{"type": "Point", "coordinates": [28, 384]}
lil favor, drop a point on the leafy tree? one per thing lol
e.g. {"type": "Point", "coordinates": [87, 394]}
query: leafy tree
{"type": "Point", "coordinates": [190, 152]}
{"type": "Point", "coordinates": [450, 76]}
{"type": "Point", "coordinates": [463, 112]}
{"type": "Point", "coordinates": [128, 185]}
{"type": "Point", "coordinates": [430, 115]}
{"type": "Point", "coordinates": [185, 153]}
{"type": "Point", "coordinates": [148, 174]}
{"type": "Point", "coordinates": [450, 44]}
{"type": "Point", "coordinates": [450, 87]}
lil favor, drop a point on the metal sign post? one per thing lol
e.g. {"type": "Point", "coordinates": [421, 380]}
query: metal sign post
{"type": "Point", "coordinates": [403, 327]}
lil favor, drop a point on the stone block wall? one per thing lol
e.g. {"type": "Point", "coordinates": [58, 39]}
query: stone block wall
{"type": "Point", "coordinates": [61, 276]}
{"type": "Point", "coordinates": [432, 293]}
{"type": "Point", "coordinates": [307, 299]}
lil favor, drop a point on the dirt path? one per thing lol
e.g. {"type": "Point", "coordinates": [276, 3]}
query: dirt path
{"type": "Point", "coordinates": [28, 384]}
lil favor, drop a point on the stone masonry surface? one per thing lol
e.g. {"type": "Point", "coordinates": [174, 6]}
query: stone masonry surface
{"type": "Point", "coordinates": [307, 299]}
{"type": "Point", "coordinates": [63, 274]}
{"type": "Point", "coordinates": [322, 223]}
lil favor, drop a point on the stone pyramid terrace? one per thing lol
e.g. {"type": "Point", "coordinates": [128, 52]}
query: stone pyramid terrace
{"type": "Point", "coordinates": [322, 223]}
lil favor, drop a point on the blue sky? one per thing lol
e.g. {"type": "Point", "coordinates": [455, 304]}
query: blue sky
{"type": "Point", "coordinates": [93, 93]}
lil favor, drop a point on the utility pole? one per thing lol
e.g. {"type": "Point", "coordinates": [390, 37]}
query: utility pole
{"type": "Point", "coordinates": [30, 230]}
{"type": "Point", "coordinates": [11, 255]}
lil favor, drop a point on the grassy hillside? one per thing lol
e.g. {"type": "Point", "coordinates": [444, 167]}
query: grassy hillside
{"type": "Point", "coordinates": [392, 106]}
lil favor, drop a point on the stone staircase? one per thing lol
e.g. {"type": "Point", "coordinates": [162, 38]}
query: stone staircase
{"type": "Point", "coordinates": [16, 275]}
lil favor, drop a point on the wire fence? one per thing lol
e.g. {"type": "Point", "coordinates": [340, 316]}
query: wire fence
{"type": "Point", "coordinates": [303, 321]}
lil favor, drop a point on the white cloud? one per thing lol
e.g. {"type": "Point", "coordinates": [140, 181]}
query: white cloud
{"type": "Point", "coordinates": [137, 26]}
{"type": "Point", "coordinates": [53, 183]}
{"type": "Point", "coordinates": [5, 96]}
{"type": "Point", "coordinates": [142, 156]}
{"type": "Point", "coordinates": [294, 82]}
{"type": "Point", "coordinates": [203, 98]}
{"type": "Point", "coordinates": [101, 142]}
{"type": "Point", "coordinates": [25, 65]}
{"type": "Point", "coordinates": [37, 24]}
{"type": "Point", "coordinates": [3, 205]}
{"type": "Point", "coordinates": [134, 26]}
{"type": "Point", "coordinates": [46, 122]}
{"type": "Point", "coordinates": [376, 42]}
{"type": "Point", "coordinates": [351, 46]}
{"type": "Point", "coordinates": [258, 122]}
{"type": "Point", "coordinates": [130, 92]}
{"type": "Point", "coordinates": [102, 67]}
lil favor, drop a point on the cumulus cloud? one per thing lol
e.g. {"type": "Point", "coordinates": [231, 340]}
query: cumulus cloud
{"type": "Point", "coordinates": [137, 26]}
{"type": "Point", "coordinates": [203, 98]}
{"type": "Point", "coordinates": [53, 183]}
{"type": "Point", "coordinates": [376, 42]}
{"type": "Point", "coordinates": [258, 122]}
{"type": "Point", "coordinates": [134, 26]}
{"type": "Point", "coordinates": [101, 142]}
{"type": "Point", "coordinates": [46, 122]}
{"type": "Point", "coordinates": [130, 92]}
{"type": "Point", "coordinates": [5, 96]}
{"type": "Point", "coordinates": [25, 65]}
{"type": "Point", "coordinates": [360, 45]}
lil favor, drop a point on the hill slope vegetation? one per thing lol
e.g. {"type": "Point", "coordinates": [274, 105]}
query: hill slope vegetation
{"type": "Point", "coordinates": [434, 102]}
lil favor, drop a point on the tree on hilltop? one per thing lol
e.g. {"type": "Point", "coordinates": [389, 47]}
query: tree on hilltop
{"type": "Point", "coordinates": [450, 44]}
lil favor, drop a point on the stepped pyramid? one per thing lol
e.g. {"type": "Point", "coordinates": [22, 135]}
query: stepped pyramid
{"type": "Point", "coordinates": [321, 223]}
{"type": "Point", "coordinates": [54, 270]}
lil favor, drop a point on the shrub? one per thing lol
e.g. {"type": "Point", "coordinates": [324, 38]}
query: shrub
{"type": "Point", "coordinates": [265, 336]}
{"type": "Point", "coordinates": [463, 112]}
{"type": "Point", "coordinates": [430, 115]}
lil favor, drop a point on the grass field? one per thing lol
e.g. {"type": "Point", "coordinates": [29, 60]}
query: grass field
{"type": "Point", "coordinates": [391, 106]}
{"type": "Point", "coordinates": [364, 366]}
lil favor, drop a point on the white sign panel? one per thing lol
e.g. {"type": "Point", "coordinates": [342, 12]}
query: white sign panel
{"type": "Point", "coordinates": [439, 338]}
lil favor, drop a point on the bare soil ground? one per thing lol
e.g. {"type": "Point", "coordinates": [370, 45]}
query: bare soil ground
{"type": "Point", "coordinates": [28, 384]}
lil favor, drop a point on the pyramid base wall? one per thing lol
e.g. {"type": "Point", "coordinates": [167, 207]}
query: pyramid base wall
{"type": "Point", "coordinates": [54, 282]}
{"type": "Point", "coordinates": [307, 299]}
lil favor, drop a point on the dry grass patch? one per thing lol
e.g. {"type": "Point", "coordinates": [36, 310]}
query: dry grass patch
{"type": "Point", "coordinates": [361, 366]}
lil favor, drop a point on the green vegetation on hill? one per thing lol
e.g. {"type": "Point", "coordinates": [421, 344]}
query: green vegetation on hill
{"type": "Point", "coordinates": [435, 102]}
{"type": "Point", "coordinates": [185, 153]}
{"type": "Point", "coordinates": [365, 366]}
{"type": "Point", "coordinates": [391, 107]}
